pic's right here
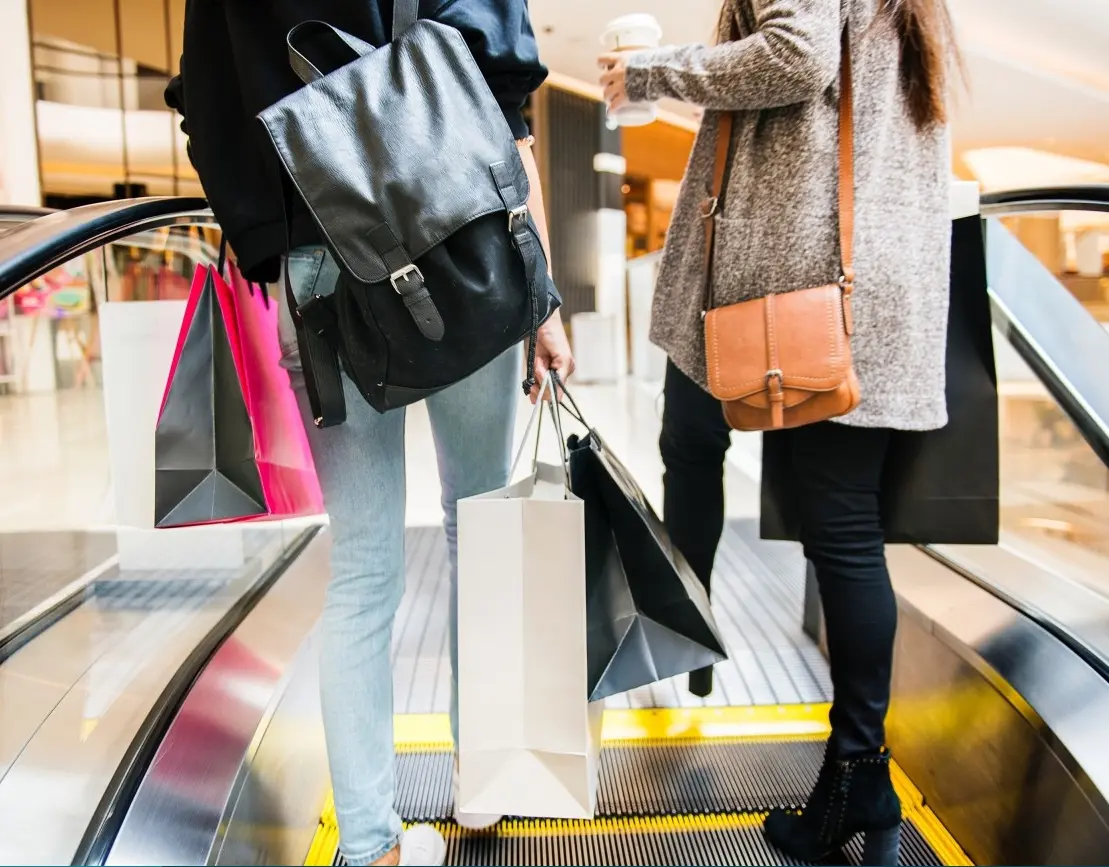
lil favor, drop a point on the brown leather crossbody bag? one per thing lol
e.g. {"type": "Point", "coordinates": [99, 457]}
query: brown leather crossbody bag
{"type": "Point", "coordinates": [784, 360]}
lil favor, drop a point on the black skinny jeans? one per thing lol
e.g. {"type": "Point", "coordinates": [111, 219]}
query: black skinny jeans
{"type": "Point", "coordinates": [839, 471]}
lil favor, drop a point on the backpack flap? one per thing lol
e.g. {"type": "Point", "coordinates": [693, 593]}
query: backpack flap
{"type": "Point", "coordinates": [395, 150]}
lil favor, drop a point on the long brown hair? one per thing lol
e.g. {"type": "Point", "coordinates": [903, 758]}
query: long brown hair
{"type": "Point", "coordinates": [929, 52]}
{"type": "Point", "coordinates": [929, 56]}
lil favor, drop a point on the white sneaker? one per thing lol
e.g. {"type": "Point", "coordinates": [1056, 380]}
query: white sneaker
{"type": "Point", "coordinates": [471, 821]}
{"type": "Point", "coordinates": [423, 846]}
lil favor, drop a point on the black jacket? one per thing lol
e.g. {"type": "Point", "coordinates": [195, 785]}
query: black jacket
{"type": "Point", "coordinates": [235, 64]}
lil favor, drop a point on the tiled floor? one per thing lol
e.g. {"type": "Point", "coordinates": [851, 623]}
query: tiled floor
{"type": "Point", "coordinates": [36, 565]}
{"type": "Point", "coordinates": [54, 462]}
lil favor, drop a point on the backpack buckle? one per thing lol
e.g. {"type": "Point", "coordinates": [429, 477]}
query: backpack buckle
{"type": "Point", "coordinates": [519, 213]}
{"type": "Point", "coordinates": [405, 274]}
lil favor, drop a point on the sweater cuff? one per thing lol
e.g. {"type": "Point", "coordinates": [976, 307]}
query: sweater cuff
{"type": "Point", "coordinates": [637, 74]}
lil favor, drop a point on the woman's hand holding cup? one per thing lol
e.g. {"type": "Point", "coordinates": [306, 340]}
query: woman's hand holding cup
{"type": "Point", "coordinates": [621, 36]}
{"type": "Point", "coordinates": [614, 79]}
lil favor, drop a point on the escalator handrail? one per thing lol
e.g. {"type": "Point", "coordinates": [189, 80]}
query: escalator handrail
{"type": "Point", "coordinates": [21, 213]}
{"type": "Point", "coordinates": [1058, 339]}
{"type": "Point", "coordinates": [1053, 333]}
{"type": "Point", "coordinates": [33, 248]}
{"type": "Point", "coordinates": [1077, 197]}
{"type": "Point", "coordinates": [1063, 345]}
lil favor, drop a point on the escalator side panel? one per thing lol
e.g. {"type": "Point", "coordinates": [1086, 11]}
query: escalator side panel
{"type": "Point", "coordinates": [998, 723]}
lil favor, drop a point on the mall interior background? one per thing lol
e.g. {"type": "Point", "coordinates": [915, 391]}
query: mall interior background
{"type": "Point", "coordinates": [82, 120]}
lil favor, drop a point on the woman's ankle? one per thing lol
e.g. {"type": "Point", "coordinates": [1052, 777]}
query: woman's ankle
{"type": "Point", "coordinates": [390, 858]}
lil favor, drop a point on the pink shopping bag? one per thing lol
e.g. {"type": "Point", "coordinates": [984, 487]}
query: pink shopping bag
{"type": "Point", "coordinates": [230, 444]}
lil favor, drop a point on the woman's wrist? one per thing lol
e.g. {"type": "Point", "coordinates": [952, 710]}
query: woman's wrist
{"type": "Point", "coordinates": [553, 321]}
{"type": "Point", "coordinates": [637, 76]}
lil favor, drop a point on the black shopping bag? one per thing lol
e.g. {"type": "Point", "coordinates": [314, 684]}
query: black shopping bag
{"type": "Point", "coordinates": [941, 486]}
{"type": "Point", "coordinates": [648, 615]}
{"type": "Point", "coordinates": [204, 461]}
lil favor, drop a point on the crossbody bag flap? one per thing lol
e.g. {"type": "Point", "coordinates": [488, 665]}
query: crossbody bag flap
{"type": "Point", "coordinates": [403, 137]}
{"type": "Point", "coordinates": [793, 343]}
{"type": "Point", "coordinates": [799, 337]}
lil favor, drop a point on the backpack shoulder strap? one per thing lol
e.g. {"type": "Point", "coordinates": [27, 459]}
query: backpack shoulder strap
{"type": "Point", "coordinates": [405, 13]}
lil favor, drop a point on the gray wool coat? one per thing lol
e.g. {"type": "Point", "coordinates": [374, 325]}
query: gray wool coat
{"type": "Point", "coordinates": [776, 228]}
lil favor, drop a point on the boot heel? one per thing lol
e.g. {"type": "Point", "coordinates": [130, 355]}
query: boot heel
{"type": "Point", "coordinates": [700, 682]}
{"type": "Point", "coordinates": [882, 848]}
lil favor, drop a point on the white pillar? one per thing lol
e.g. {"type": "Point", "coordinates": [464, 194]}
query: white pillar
{"type": "Point", "coordinates": [612, 263]}
{"type": "Point", "coordinates": [648, 362]}
{"type": "Point", "coordinates": [600, 337]}
{"type": "Point", "coordinates": [19, 164]}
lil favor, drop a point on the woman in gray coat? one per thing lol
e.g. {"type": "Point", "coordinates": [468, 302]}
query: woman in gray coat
{"type": "Point", "coordinates": [776, 68]}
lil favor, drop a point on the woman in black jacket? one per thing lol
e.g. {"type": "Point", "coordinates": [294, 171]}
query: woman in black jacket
{"type": "Point", "coordinates": [235, 65]}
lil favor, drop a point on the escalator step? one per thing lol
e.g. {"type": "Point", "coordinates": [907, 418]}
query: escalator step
{"type": "Point", "coordinates": [671, 841]}
{"type": "Point", "coordinates": [672, 778]}
{"type": "Point", "coordinates": [695, 802]}
{"type": "Point", "coordinates": [682, 840]}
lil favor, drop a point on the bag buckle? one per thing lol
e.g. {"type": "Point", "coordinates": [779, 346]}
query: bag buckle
{"type": "Point", "coordinates": [708, 207]}
{"type": "Point", "coordinates": [774, 374]}
{"type": "Point", "coordinates": [404, 274]}
{"type": "Point", "coordinates": [515, 214]}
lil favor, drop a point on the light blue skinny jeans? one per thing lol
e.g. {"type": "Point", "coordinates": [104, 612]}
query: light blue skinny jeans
{"type": "Point", "coordinates": [361, 469]}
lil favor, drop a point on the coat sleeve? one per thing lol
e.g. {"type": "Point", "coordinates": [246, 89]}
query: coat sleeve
{"type": "Point", "coordinates": [791, 56]}
{"type": "Point", "coordinates": [502, 41]}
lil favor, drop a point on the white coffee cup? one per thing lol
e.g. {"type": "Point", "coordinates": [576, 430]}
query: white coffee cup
{"type": "Point", "coordinates": [634, 32]}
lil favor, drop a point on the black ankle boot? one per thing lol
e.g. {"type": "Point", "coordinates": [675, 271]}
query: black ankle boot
{"type": "Point", "coordinates": [851, 797]}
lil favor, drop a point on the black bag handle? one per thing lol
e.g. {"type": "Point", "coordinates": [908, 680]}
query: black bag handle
{"type": "Point", "coordinates": [318, 36]}
{"type": "Point", "coordinates": [564, 395]}
{"type": "Point", "coordinates": [405, 13]}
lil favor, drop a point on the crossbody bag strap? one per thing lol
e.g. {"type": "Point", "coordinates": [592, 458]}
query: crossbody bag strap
{"type": "Point", "coordinates": [846, 183]}
{"type": "Point", "coordinates": [846, 169]}
{"type": "Point", "coordinates": [405, 13]}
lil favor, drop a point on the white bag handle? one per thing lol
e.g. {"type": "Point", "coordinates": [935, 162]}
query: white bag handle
{"type": "Point", "coordinates": [549, 385]}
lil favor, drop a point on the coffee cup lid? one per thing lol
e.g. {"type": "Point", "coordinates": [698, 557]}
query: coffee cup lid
{"type": "Point", "coordinates": [634, 21]}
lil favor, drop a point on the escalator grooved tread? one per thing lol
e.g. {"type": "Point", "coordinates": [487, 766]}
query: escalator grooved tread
{"type": "Point", "coordinates": [684, 843]}
{"type": "Point", "coordinates": [670, 779]}
{"type": "Point", "coordinates": [691, 802]}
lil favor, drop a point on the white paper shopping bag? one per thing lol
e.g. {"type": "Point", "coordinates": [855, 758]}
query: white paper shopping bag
{"type": "Point", "coordinates": [529, 738]}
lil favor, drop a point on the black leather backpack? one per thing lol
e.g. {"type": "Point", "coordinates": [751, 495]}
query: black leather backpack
{"type": "Point", "coordinates": [414, 178]}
